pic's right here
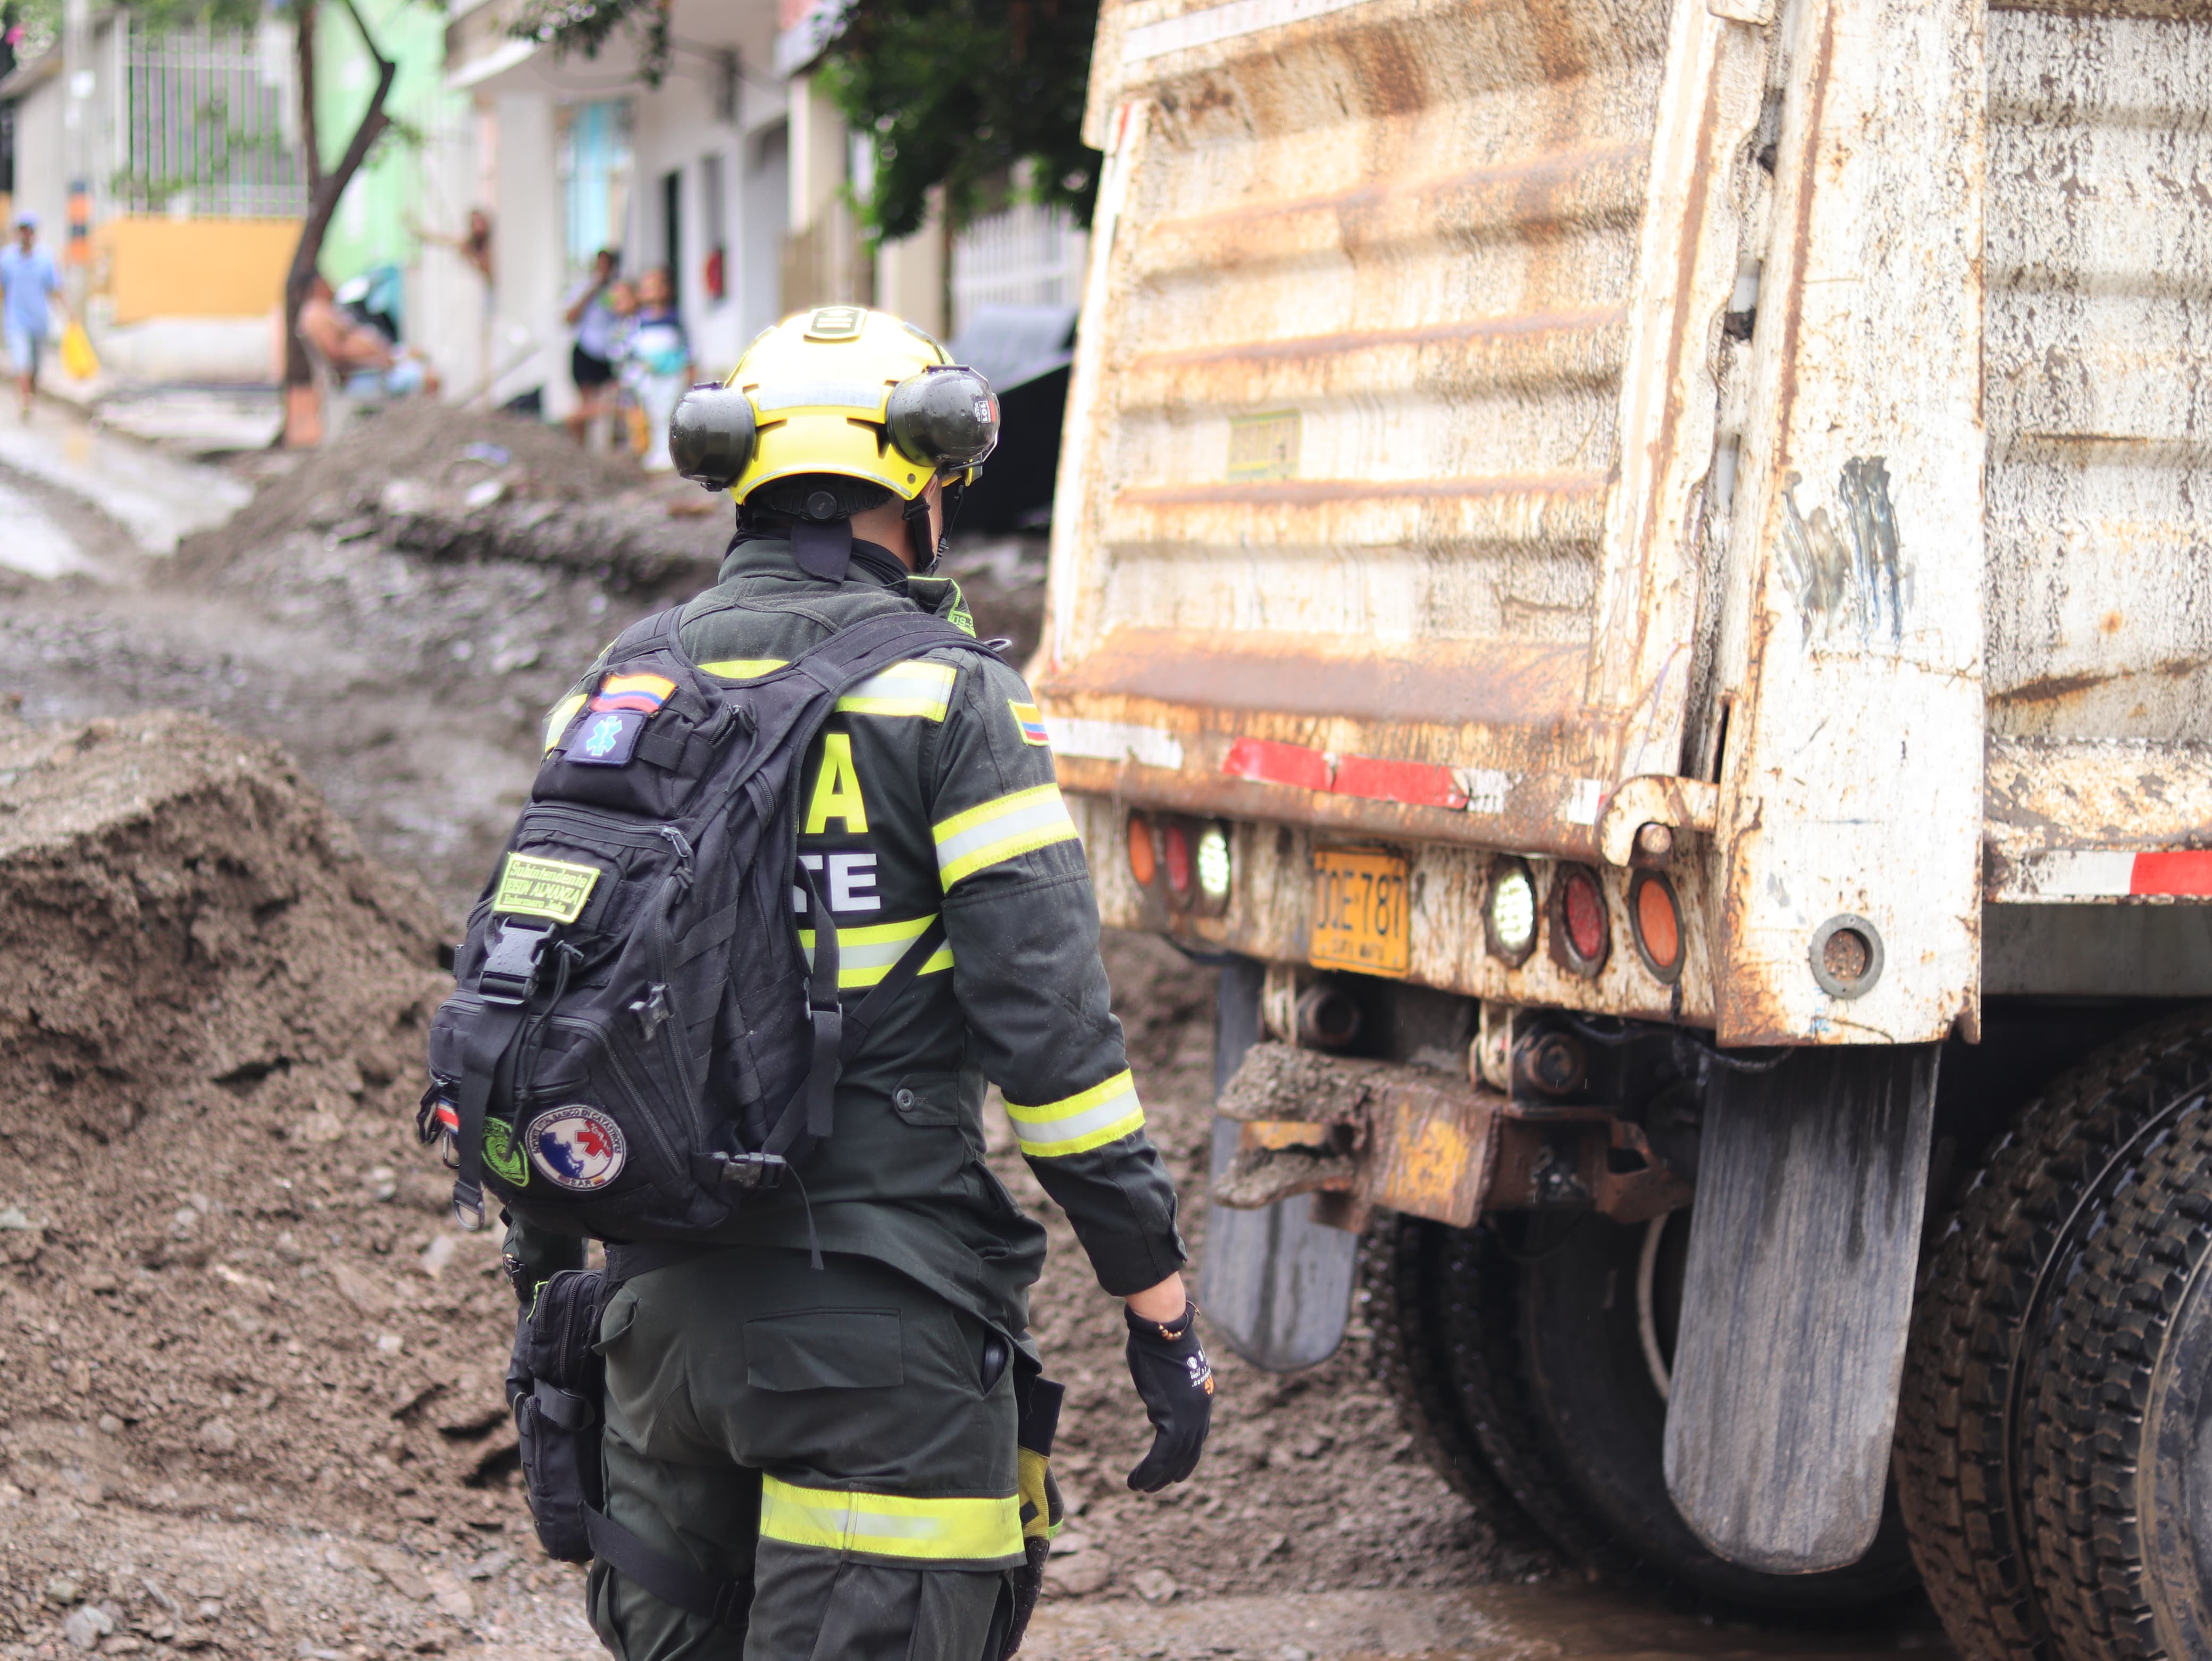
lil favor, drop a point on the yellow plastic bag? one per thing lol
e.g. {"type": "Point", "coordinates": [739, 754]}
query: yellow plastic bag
{"type": "Point", "coordinates": [77, 356]}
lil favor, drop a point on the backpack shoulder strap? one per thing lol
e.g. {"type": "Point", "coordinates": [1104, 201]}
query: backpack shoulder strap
{"type": "Point", "coordinates": [854, 653]}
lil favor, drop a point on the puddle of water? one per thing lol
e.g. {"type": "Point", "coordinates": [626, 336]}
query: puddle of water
{"type": "Point", "coordinates": [156, 499]}
{"type": "Point", "coordinates": [30, 542]}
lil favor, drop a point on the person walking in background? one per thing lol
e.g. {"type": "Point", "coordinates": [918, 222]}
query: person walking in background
{"type": "Point", "coordinates": [656, 363]}
{"type": "Point", "coordinates": [591, 314]}
{"type": "Point", "coordinates": [29, 285]}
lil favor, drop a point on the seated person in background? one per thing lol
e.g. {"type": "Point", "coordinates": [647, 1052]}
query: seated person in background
{"type": "Point", "coordinates": [359, 354]}
{"type": "Point", "coordinates": [656, 363]}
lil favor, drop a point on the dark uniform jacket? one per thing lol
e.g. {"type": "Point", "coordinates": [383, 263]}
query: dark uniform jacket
{"type": "Point", "coordinates": [931, 789]}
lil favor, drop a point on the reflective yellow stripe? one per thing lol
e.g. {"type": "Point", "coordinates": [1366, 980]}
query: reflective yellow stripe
{"type": "Point", "coordinates": [913, 688]}
{"type": "Point", "coordinates": [1105, 1113]}
{"type": "Point", "coordinates": [997, 831]}
{"type": "Point", "coordinates": [865, 956]}
{"type": "Point", "coordinates": [558, 717]}
{"type": "Point", "coordinates": [965, 1530]}
{"type": "Point", "coordinates": [743, 668]}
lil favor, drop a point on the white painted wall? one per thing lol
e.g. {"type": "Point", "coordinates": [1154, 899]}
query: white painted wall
{"type": "Point", "coordinates": [530, 344]}
{"type": "Point", "coordinates": [41, 166]}
{"type": "Point", "coordinates": [449, 313]}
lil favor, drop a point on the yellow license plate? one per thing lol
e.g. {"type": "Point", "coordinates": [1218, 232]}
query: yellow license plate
{"type": "Point", "coordinates": [1360, 919]}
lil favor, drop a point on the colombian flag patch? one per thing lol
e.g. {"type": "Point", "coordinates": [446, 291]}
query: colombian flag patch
{"type": "Point", "coordinates": [1031, 722]}
{"type": "Point", "coordinates": [643, 693]}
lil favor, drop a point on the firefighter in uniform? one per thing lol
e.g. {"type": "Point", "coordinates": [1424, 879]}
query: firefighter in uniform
{"type": "Point", "coordinates": [845, 1436]}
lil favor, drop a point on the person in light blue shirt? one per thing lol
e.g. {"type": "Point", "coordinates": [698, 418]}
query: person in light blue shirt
{"type": "Point", "coordinates": [29, 286]}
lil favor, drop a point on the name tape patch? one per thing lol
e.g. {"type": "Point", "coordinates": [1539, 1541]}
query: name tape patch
{"type": "Point", "coordinates": [553, 889]}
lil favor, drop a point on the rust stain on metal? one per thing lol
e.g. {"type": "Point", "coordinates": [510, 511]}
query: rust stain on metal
{"type": "Point", "coordinates": [1579, 488]}
{"type": "Point", "coordinates": [1427, 684]}
{"type": "Point", "coordinates": [2053, 688]}
{"type": "Point", "coordinates": [1305, 347]}
{"type": "Point", "coordinates": [1561, 187]}
{"type": "Point", "coordinates": [2046, 794]}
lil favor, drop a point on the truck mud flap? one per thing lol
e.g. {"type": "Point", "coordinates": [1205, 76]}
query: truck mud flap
{"type": "Point", "coordinates": [1276, 1285]}
{"type": "Point", "coordinates": [1812, 1181]}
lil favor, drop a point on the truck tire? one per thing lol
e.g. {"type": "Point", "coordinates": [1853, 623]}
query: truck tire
{"type": "Point", "coordinates": [1983, 1322]}
{"type": "Point", "coordinates": [1399, 1277]}
{"type": "Point", "coordinates": [2121, 1540]}
{"type": "Point", "coordinates": [1561, 1331]}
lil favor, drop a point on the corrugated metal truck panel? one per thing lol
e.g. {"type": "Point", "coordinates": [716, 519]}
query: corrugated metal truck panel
{"type": "Point", "coordinates": [2098, 400]}
{"type": "Point", "coordinates": [1479, 409]}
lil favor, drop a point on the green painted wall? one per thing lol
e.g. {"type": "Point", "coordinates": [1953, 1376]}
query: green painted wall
{"type": "Point", "coordinates": [375, 221]}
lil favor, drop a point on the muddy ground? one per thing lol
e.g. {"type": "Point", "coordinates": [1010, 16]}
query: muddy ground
{"type": "Point", "coordinates": [251, 1397]}
{"type": "Point", "coordinates": [249, 1371]}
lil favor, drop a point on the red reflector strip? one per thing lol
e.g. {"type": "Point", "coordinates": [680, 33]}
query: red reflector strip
{"type": "Point", "coordinates": [2098, 873]}
{"type": "Point", "coordinates": [2181, 871]}
{"type": "Point", "coordinates": [1417, 783]}
{"type": "Point", "coordinates": [1265, 762]}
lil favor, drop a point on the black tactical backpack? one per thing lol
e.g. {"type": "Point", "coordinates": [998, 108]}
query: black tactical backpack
{"type": "Point", "coordinates": [635, 1040]}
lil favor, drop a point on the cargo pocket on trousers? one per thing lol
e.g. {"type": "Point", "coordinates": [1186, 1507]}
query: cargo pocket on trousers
{"type": "Point", "coordinates": [825, 1349]}
{"type": "Point", "coordinates": [621, 1313]}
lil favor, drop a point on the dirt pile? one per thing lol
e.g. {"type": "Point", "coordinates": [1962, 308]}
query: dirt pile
{"type": "Point", "coordinates": [250, 1371]}
{"type": "Point", "coordinates": [210, 1307]}
{"type": "Point", "coordinates": [180, 911]}
{"type": "Point", "coordinates": [456, 485]}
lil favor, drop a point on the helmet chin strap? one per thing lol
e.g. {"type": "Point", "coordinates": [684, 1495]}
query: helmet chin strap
{"type": "Point", "coordinates": [916, 514]}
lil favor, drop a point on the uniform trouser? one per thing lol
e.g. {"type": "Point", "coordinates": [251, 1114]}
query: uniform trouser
{"type": "Point", "coordinates": [827, 1433]}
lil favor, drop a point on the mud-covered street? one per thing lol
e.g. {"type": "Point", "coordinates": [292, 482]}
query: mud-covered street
{"type": "Point", "coordinates": [249, 1371]}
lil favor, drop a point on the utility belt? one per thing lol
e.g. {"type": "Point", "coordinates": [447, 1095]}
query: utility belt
{"type": "Point", "coordinates": [557, 1386]}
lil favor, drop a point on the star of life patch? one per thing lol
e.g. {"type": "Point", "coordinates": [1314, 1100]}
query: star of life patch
{"type": "Point", "coordinates": [605, 738]}
{"type": "Point", "coordinates": [577, 1148]}
{"type": "Point", "coordinates": [1031, 722]}
{"type": "Point", "coordinates": [553, 889]}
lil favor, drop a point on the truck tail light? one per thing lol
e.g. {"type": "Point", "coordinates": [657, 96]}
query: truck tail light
{"type": "Point", "coordinates": [1655, 917]}
{"type": "Point", "coordinates": [1174, 850]}
{"type": "Point", "coordinates": [1581, 932]}
{"type": "Point", "coordinates": [1144, 862]}
{"type": "Point", "coordinates": [1215, 868]}
{"type": "Point", "coordinates": [1509, 915]}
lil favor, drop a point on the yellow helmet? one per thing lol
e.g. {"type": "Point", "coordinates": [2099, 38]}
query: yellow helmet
{"type": "Point", "coordinates": [839, 392]}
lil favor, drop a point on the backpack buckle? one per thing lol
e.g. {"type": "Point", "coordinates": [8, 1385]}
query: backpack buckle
{"type": "Point", "coordinates": [509, 975]}
{"type": "Point", "coordinates": [752, 1172]}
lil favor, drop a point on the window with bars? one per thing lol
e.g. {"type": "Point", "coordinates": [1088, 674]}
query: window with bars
{"type": "Point", "coordinates": [211, 131]}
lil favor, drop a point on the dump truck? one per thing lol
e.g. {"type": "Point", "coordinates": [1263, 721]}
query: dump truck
{"type": "Point", "coordinates": [1637, 573]}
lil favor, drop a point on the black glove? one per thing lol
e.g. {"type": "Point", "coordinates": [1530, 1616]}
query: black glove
{"type": "Point", "coordinates": [1176, 1381]}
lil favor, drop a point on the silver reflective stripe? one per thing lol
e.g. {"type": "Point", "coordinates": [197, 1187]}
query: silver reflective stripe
{"type": "Point", "coordinates": [1077, 1125]}
{"type": "Point", "coordinates": [1044, 814]}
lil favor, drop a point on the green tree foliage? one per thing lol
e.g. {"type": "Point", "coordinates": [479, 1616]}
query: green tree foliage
{"type": "Point", "coordinates": [959, 92]}
{"type": "Point", "coordinates": [584, 25]}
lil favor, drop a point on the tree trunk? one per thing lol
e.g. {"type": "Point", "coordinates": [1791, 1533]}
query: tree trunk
{"type": "Point", "coordinates": [326, 188]}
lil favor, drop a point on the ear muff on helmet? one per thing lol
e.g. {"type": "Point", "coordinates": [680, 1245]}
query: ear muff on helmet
{"type": "Point", "coordinates": [711, 435]}
{"type": "Point", "coordinates": [945, 417]}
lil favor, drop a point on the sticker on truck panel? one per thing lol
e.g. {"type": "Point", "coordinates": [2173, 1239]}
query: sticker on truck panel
{"type": "Point", "coordinates": [553, 889]}
{"type": "Point", "coordinates": [1361, 918]}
